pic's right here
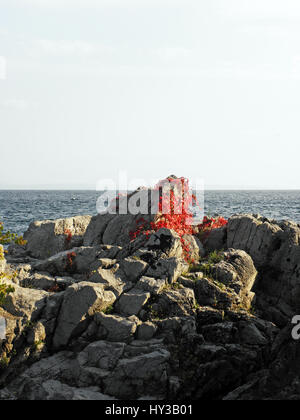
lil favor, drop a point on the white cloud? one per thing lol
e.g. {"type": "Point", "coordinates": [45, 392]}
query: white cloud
{"type": "Point", "coordinates": [95, 3]}
{"type": "Point", "coordinates": [2, 68]}
{"type": "Point", "coordinates": [67, 48]}
{"type": "Point", "coordinates": [269, 9]}
{"type": "Point", "coordinates": [16, 104]}
{"type": "Point", "coordinates": [172, 53]}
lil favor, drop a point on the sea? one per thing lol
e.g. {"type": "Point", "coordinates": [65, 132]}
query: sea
{"type": "Point", "coordinates": [19, 208]}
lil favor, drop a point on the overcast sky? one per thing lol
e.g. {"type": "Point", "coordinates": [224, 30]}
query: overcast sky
{"type": "Point", "coordinates": [200, 88]}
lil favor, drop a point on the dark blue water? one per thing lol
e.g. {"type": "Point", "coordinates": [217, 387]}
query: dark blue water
{"type": "Point", "coordinates": [19, 208]}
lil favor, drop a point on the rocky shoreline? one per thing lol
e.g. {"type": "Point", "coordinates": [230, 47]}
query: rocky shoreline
{"type": "Point", "coordinates": [95, 315]}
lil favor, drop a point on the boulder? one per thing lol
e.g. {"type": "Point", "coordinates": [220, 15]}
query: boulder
{"type": "Point", "coordinates": [133, 268]}
{"type": "Point", "coordinates": [238, 272]}
{"type": "Point", "coordinates": [113, 279]}
{"type": "Point", "coordinates": [275, 250]}
{"type": "Point", "coordinates": [146, 331]}
{"type": "Point", "coordinates": [168, 269]}
{"type": "Point", "coordinates": [132, 302]}
{"type": "Point", "coordinates": [43, 281]}
{"type": "Point", "coordinates": [57, 391]}
{"type": "Point", "coordinates": [49, 237]}
{"type": "Point", "coordinates": [115, 328]}
{"type": "Point", "coordinates": [26, 303]}
{"type": "Point", "coordinates": [76, 260]}
{"type": "Point", "coordinates": [28, 385]}
{"type": "Point", "coordinates": [81, 301]}
{"type": "Point", "coordinates": [113, 229]}
{"type": "Point", "coordinates": [138, 374]}
{"type": "Point", "coordinates": [102, 355]}
{"type": "Point", "coordinates": [175, 303]}
{"type": "Point", "coordinates": [166, 243]}
{"type": "Point", "coordinates": [257, 236]}
{"type": "Point", "coordinates": [151, 285]}
{"type": "Point", "coordinates": [210, 293]}
{"type": "Point", "coordinates": [216, 240]}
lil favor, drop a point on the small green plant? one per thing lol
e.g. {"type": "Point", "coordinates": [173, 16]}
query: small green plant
{"type": "Point", "coordinates": [108, 310]}
{"type": "Point", "coordinates": [5, 290]}
{"type": "Point", "coordinates": [215, 257]}
{"type": "Point", "coordinates": [207, 265]}
{"type": "Point", "coordinates": [176, 286]}
{"type": "Point", "coordinates": [8, 237]}
{"type": "Point", "coordinates": [4, 362]}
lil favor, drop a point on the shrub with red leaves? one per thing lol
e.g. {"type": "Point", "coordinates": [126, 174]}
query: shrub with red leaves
{"type": "Point", "coordinates": [70, 260]}
{"type": "Point", "coordinates": [210, 223]}
{"type": "Point", "coordinates": [174, 213]}
{"type": "Point", "coordinates": [69, 235]}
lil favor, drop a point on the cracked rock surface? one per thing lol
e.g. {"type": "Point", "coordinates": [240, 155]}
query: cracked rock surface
{"type": "Point", "coordinates": [100, 317]}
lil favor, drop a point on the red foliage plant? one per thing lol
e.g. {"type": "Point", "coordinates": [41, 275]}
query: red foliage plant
{"type": "Point", "coordinates": [70, 260]}
{"type": "Point", "coordinates": [211, 223]}
{"type": "Point", "coordinates": [69, 235]}
{"type": "Point", "coordinates": [174, 213]}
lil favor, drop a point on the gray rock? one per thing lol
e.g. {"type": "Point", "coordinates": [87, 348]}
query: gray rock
{"type": "Point", "coordinates": [57, 391]}
{"type": "Point", "coordinates": [26, 303]}
{"type": "Point", "coordinates": [144, 374]}
{"type": "Point", "coordinates": [81, 301]}
{"type": "Point", "coordinates": [151, 285]}
{"type": "Point", "coordinates": [167, 242]}
{"type": "Point", "coordinates": [43, 281]}
{"type": "Point", "coordinates": [115, 328]}
{"type": "Point", "coordinates": [209, 293]}
{"type": "Point", "coordinates": [209, 316]}
{"type": "Point", "coordinates": [223, 333]}
{"type": "Point", "coordinates": [132, 302]}
{"type": "Point", "coordinates": [195, 247]}
{"type": "Point", "coordinates": [28, 385]}
{"type": "Point", "coordinates": [274, 248]}
{"type": "Point", "coordinates": [250, 335]}
{"type": "Point", "coordinates": [113, 229]}
{"type": "Point", "coordinates": [216, 240]}
{"type": "Point", "coordinates": [133, 268]}
{"type": "Point", "coordinates": [75, 260]}
{"type": "Point", "coordinates": [47, 238]}
{"type": "Point", "coordinates": [168, 269]}
{"type": "Point", "coordinates": [256, 236]}
{"type": "Point", "coordinates": [146, 331]}
{"type": "Point", "coordinates": [239, 273]}
{"type": "Point", "coordinates": [172, 303]}
{"type": "Point", "coordinates": [37, 334]}
{"type": "Point", "coordinates": [113, 279]}
{"type": "Point", "coordinates": [102, 355]}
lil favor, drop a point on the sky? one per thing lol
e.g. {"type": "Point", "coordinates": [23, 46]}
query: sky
{"type": "Point", "coordinates": [204, 89]}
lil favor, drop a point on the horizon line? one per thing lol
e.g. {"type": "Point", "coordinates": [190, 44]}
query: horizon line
{"type": "Point", "coordinates": [88, 188]}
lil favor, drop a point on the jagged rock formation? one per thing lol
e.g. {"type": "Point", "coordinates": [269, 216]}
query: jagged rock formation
{"type": "Point", "coordinates": [98, 316]}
